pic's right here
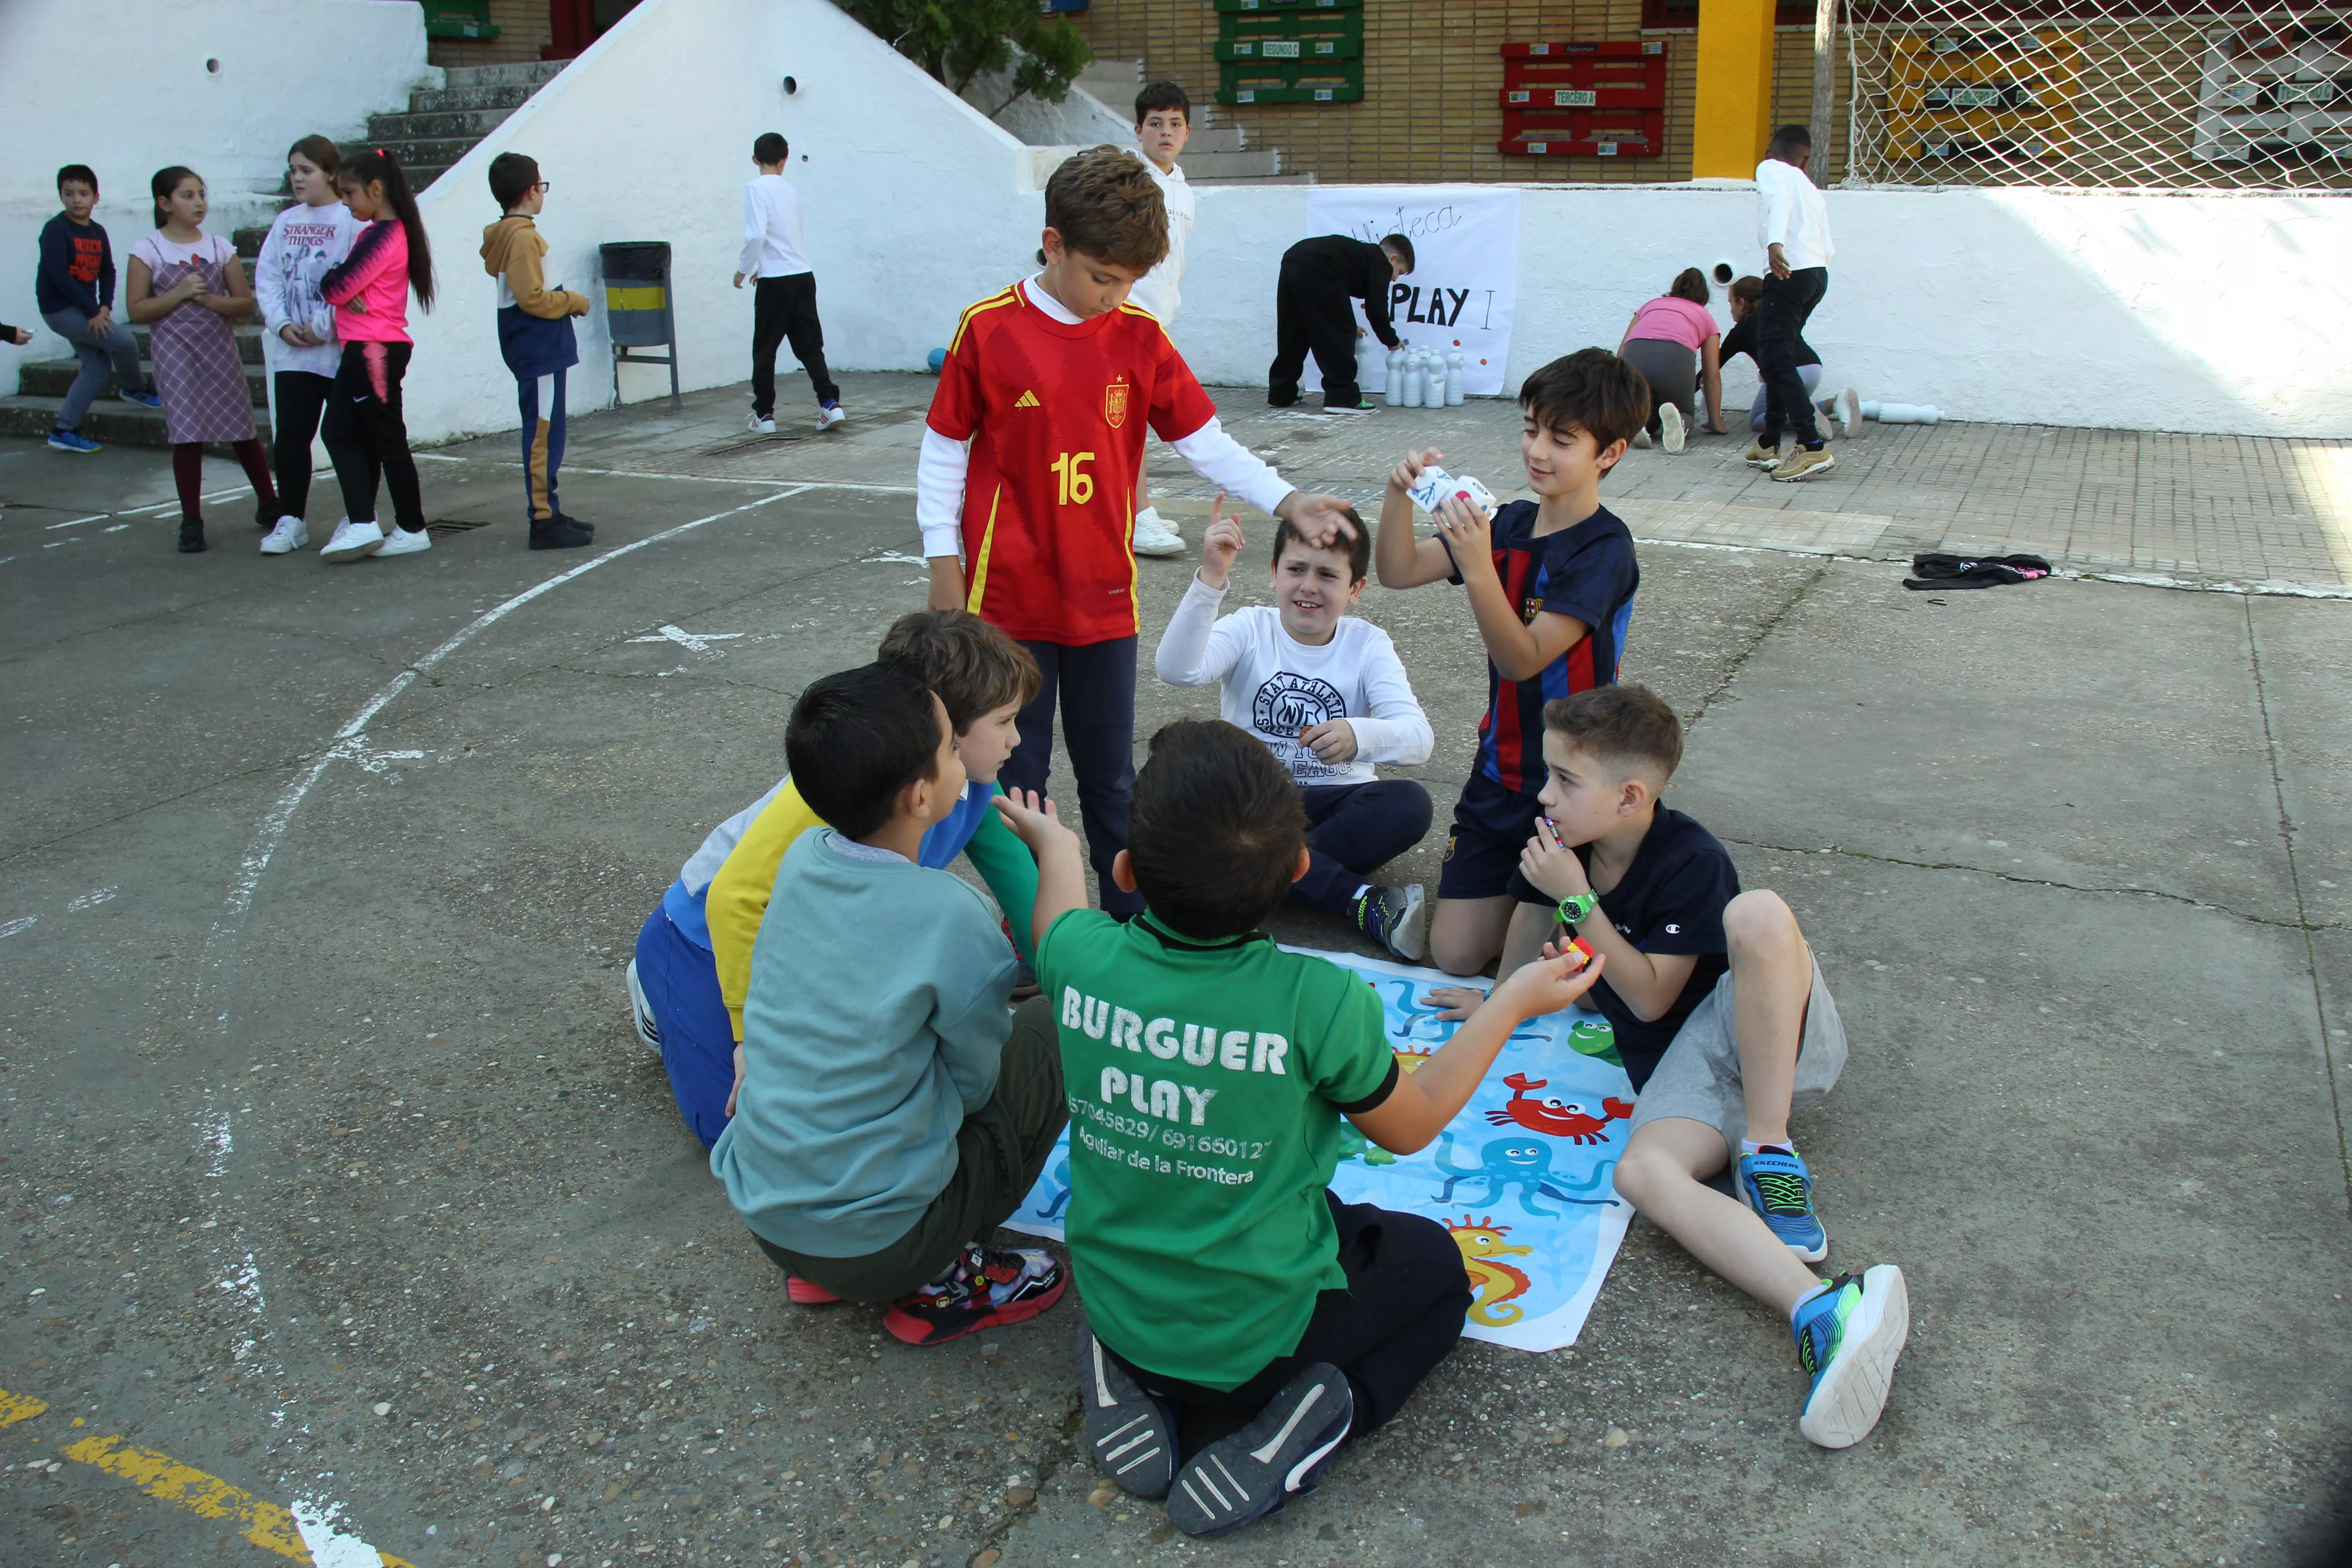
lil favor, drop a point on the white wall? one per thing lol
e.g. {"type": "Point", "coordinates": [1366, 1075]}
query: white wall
{"type": "Point", "coordinates": [1080, 120]}
{"type": "Point", "coordinates": [2170, 312]}
{"type": "Point", "coordinates": [122, 85]}
{"type": "Point", "coordinates": [914, 205]}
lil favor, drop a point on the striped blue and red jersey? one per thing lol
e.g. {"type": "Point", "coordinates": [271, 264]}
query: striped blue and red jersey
{"type": "Point", "coordinates": [1586, 571]}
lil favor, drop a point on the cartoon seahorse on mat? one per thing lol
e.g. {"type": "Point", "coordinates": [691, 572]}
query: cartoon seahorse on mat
{"type": "Point", "coordinates": [1521, 1163]}
{"type": "Point", "coordinates": [1560, 1118]}
{"type": "Point", "coordinates": [1482, 1243]}
{"type": "Point", "coordinates": [1062, 1198]}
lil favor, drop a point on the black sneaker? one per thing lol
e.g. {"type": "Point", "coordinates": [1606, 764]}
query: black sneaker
{"type": "Point", "coordinates": [1397, 918]}
{"type": "Point", "coordinates": [1133, 1435]}
{"type": "Point", "coordinates": [192, 535]}
{"type": "Point", "coordinates": [1260, 1467]}
{"type": "Point", "coordinates": [587, 528]}
{"type": "Point", "coordinates": [1361, 405]}
{"type": "Point", "coordinates": [558, 533]}
{"type": "Point", "coordinates": [986, 1287]}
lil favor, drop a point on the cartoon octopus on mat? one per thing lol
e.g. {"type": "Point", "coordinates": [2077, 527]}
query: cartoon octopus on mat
{"type": "Point", "coordinates": [1560, 1118]}
{"type": "Point", "coordinates": [1482, 1243]}
{"type": "Point", "coordinates": [1521, 1163]}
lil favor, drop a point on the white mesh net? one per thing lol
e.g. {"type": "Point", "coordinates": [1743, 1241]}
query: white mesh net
{"type": "Point", "coordinates": [2099, 93]}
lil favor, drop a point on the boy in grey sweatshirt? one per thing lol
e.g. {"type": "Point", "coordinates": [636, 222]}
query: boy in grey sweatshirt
{"type": "Point", "coordinates": [888, 1114]}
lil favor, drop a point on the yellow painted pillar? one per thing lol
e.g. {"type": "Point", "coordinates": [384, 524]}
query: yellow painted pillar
{"type": "Point", "coordinates": [1733, 118]}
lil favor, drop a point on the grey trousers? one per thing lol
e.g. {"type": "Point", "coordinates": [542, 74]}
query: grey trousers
{"type": "Point", "coordinates": [117, 350]}
{"type": "Point", "coordinates": [1672, 370]}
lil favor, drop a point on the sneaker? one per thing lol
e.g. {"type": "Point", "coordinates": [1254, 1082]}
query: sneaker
{"type": "Point", "coordinates": [1133, 1436]}
{"type": "Point", "coordinates": [1846, 409]}
{"type": "Point", "coordinates": [1397, 918]}
{"type": "Point", "coordinates": [571, 522]}
{"type": "Point", "coordinates": [145, 398]}
{"type": "Point", "coordinates": [986, 1287]}
{"type": "Point", "coordinates": [398, 540]}
{"type": "Point", "coordinates": [1153, 536]}
{"type": "Point", "coordinates": [1671, 429]}
{"type": "Point", "coordinates": [1760, 456]}
{"type": "Point", "coordinates": [1640, 442]}
{"type": "Point", "coordinates": [827, 417]}
{"type": "Point", "coordinates": [1777, 1185]}
{"type": "Point", "coordinates": [353, 540]}
{"type": "Point", "coordinates": [1258, 1470]}
{"type": "Point", "coordinates": [71, 441]}
{"type": "Point", "coordinates": [1805, 462]}
{"type": "Point", "coordinates": [290, 535]}
{"type": "Point", "coordinates": [192, 535]}
{"type": "Point", "coordinates": [559, 533]}
{"type": "Point", "coordinates": [1361, 405]}
{"type": "Point", "coordinates": [762, 425]}
{"type": "Point", "coordinates": [807, 1292]}
{"type": "Point", "coordinates": [1848, 1336]}
{"type": "Point", "coordinates": [641, 1011]}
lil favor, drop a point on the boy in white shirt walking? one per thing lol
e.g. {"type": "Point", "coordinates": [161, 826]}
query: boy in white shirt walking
{"type": "Point", "coordinates": [1328, 695]}
{"type": "Point", "coordinates": [1163, 123]}
{"type": "Point", "coordinates": [1794, 225]}
{"type": "Point", "coordinates": [784, 303]}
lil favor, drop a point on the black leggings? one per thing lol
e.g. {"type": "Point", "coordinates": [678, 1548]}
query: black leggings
{"type": "Point", "coordinates": [368, 438]}
{"type": "Point", "coordinates": [301, 397]}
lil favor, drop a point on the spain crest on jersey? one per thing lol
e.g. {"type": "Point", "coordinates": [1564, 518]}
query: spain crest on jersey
{"type": "Point", "coordinates": [1115, 403]}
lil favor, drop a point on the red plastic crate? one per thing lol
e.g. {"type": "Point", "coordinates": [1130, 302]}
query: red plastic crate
{"type": "Point", "coordinates": [1577, 99]}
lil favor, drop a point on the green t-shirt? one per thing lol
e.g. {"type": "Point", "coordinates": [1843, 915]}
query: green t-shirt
{"type": "Point", "coordinates": [1206, 1083]}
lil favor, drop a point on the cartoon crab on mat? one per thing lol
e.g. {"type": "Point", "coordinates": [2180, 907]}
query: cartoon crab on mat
{"type": "Point", "coordinates": [1560, 1118]}
{"type": "Point", "coordinates": [1521, 1163]}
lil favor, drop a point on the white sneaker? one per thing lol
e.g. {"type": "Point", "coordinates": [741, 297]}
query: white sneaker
{"type": "Point", "coordinates": [1670, 427]}
{"type": "Point", "coordinates": [641, 1013]}
{"type": "Point", "coordinates": [1848, 411]}
{"type": "Point", "coordinates": [1642, 440]}
{"type": "Point", "coordinates": [1153, 536]}
{"type": "Point", "coordinates": [762, 426]}
{"type": "Point", "coordinates": [290, 534]}
{"type": "Point", "coordinates": [400, 542]}
{"type": "Point", "coordinates": [831, 415]}
{"type": "Point", "coordinates": [354, 540]}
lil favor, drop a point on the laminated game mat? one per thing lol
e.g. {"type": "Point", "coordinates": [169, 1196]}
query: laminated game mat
{"type": "Point", "coordinates": [1521, 1178]}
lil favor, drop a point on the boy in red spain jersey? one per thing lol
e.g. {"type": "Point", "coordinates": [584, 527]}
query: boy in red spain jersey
{"type": "Point", "coordinates": [1025, 489]}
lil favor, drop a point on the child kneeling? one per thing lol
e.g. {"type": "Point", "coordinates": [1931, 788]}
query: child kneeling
{"type": "Point", "coordinates": [1208, 1071]}
{"type": "Point", "coordinates": [888, 1121]}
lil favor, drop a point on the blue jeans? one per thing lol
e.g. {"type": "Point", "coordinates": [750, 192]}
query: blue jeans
{"type": "Point", "coordinates": [697, 1041]}
{"type": "Point", "coordinates": [118, 352]}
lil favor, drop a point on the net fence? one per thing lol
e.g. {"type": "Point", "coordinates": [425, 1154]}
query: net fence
{"type": "Point", "coordinates": [2100, 93]}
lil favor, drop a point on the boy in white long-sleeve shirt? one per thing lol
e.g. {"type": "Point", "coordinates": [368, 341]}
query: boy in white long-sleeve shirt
{"type": "Point", "coordinates": [1328, 696]}
{"type": "Point", "coordinates": [784, 301]}
{"type": "Point", "coordinates": [1163, 123]}
{"type": "Point", "coordinates": [1793, 227]}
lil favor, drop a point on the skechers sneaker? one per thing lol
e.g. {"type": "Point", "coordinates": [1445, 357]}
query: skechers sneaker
{"type": "Point", "coordinates": [1154, 537]}
{"type": "Point", "coordinates": [1260, 1467]}
{"type": "Point", "coordinates": [144, 399]}
{"type": "Point", "coordinates": [351, 540]}
{"type": "Point", "coordinates": [1776, 1183]}
{"type": "Point", "coordinates": [71, 441]}
{"type": "Point", "coordinates": [290, 534]}
{"type": "Point", "coordinates": [1848, 1336]}
{"type": "Point", "coordinates": [984, 1287]}
{"type": "Point", "coordinates": [1133, 1436]}
{"type": "Point", "coordinates": [1671, 430]}
{"type": "Point", "coordinates": [830, 415]}
{"type": "Point", "coordinates": [1397, 918]}
{"type": "Point", "coordinates": [398, 540]}
{"type": "Point", "coordinates": [641, 1013]}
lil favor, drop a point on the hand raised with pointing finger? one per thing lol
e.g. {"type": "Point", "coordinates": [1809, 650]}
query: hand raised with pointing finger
{"type": "Point", "coordinates": [1220, 544]}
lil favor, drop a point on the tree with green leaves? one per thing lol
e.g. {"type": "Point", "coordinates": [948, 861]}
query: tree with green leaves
{"type": "Point", "coordinates": [958, 40]}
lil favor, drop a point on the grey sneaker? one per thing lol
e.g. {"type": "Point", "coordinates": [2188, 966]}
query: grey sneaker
{"type": "Point", "coordinates": [1132, 1434]}
{"type": "Point", "coordinates": [1260, 1467]}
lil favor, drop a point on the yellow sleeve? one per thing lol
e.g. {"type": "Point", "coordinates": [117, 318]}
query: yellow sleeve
{"type": "Point", "coordinates": [737, 897]}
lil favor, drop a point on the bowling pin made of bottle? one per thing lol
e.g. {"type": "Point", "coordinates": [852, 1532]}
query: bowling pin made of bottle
{"type": "Point", "coordinates": [1417, 381]}
{"type": "Point", "coordinates": [1455, 370]}
{"type": "Point", "coordinates": [1395, 383]}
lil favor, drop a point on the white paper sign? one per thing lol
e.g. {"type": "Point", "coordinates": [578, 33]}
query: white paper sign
{"type": "Point", "coordinates": [1465, 285]}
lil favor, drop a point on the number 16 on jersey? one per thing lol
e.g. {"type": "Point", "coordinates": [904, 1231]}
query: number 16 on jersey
{"type": "Point", "coordinates": [1076, 487]}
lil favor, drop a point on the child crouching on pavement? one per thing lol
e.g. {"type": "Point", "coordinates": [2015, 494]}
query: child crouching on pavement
{"type": "Point", "coordinates": [888, 1114]}
{"type": "Point", "coordinates": [1725, 1027]}
{"type": "Point", "coordinates": [1208, 1070]}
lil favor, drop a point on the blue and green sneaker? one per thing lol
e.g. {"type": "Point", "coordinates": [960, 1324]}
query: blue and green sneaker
{"type": "Point", "coordinates": [1777, 1185]}
{"type": "Point", "coordinates": [1848, 1336]}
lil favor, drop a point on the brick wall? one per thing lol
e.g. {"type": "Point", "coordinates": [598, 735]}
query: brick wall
{"type": "Point", "coordinates": [1431, 73]}
{"type": "Point", "coordinates": [522, 28]}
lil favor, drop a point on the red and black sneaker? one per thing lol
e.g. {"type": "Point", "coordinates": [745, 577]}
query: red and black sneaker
{"type": "Point", "coordinates": [988, 1285]}
{"type": "Point", "coordinates": [807, 1292]}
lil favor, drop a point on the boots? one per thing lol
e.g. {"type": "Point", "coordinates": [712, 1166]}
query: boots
{"type": "Point", "coordinates": [558, 532]}
{"type": "Point", "coordinates": [192, 534]}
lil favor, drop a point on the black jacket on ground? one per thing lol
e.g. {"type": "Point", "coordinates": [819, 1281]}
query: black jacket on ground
{"type": "Point", "coordinates": [1361, 268]}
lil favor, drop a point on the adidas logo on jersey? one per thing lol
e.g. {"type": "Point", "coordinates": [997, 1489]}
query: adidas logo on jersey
{"type": "Point", "coordinates": [1027, 400]}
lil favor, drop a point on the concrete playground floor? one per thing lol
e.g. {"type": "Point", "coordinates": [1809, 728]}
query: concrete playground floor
{"type": "Point", "coordinates": [342, 1206]}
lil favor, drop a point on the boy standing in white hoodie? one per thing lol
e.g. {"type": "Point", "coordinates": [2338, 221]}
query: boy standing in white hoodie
{"type": "Point", "coordinates": [298, 327]}
{"type": "Point", "coordinates": [783, 289]}
{"type": "Point", "coordinates": [1328, 695]}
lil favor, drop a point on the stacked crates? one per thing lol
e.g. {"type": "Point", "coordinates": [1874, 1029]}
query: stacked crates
{"type": "Point", "coordinates": [1290, 51]}
{"type": "Point", "coordinates": [2000, 96]}
{"type": "Point", "coordinates": [1587, 101]}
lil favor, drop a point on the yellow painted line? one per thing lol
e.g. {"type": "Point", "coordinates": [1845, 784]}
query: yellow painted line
{"type": "Point", "coordinates": [15, 1407]}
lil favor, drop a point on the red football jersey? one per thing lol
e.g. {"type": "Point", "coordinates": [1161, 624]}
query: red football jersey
{"type": "Point", "coordinates": [1055, 415]}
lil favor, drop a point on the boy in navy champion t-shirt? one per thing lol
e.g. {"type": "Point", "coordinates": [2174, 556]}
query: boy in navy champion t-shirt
{"type": "Point", "coordinates": [1551, 586]}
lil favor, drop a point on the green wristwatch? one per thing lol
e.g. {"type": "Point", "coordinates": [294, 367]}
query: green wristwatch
{"type": "Point", "coordinates": [1576, 911]}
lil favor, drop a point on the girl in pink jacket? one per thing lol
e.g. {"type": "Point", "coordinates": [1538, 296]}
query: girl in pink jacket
{"type": "Point", "coordinates": [363, 430]}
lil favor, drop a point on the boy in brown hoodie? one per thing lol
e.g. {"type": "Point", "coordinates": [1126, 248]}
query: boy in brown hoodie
{"type": "Point", "coordinates": [535, 336]}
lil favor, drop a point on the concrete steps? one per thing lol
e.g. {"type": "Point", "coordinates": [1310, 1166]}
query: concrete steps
{"type": "Point", "coordinates": [1217, 155]}
{"type": "Point", "coordinates": [441, 126]}
{"type": "Point", "coordinates": [41, 387]}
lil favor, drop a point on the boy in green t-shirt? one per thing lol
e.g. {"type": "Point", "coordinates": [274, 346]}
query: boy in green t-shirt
{"type": "Point", "coordinates": [1207, 1072]}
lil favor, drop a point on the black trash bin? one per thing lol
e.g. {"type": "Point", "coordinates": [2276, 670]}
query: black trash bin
{"type": "Point", "coordinates": [637, 307]}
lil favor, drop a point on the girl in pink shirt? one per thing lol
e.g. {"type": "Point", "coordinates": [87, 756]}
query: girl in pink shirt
{"type": "Point", "coordinates": [364, 431]}
{"type": "Point", "coordinates": [1674, 342]}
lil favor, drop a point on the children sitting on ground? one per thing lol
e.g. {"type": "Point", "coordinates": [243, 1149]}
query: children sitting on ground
{"type": "Point", "coordinates": [1550, 584]}
{"type": "Point", "coordinates": [1208, 1070]}
{"type": "Point", "coordinates": [1674, 342]}
{"type": "Point", "coordinates": [1845, 408]}
{"type": "Point", "coordinates": [1314, 313]}
{"type": "Point", "coordinates": [190, 288]}
{"type": "Point", "coordinates": [535, 337]}
{"type": "Point", "coordinates": [298, 326]}
{"type": "Point", "coordinates": [783, 288]}
{"type": "Point", "coordinates": [888, 1117]}
{"type": "Point", "coordinates": [693, 965]}
{"type": "Point", "coordinates": [73, 287]}
{"type": "Point", "coordinates": [1163, 123]}
{"type": "Point", "coordinates": [1024, 488]}
{"type": "Point", "coordinates": [1725, 1026]}
{"type": "Point", "coordinates": [1328, 695]}
{"type": "Point", "coordinates": [365, 432]}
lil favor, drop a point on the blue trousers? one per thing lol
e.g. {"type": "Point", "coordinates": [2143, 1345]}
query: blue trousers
{"type": "Point", "coordinates": [540, 399]}
{"type": "Point", "coordinates": [697, 1042]}
{"type": "Point", "coordinates": [1354, 829]}
{"type": "Point", "coordinates": [1096, 685]}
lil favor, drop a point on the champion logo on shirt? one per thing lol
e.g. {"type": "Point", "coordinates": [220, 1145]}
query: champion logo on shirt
{"type": "Point", "coordinates": [1673, 931]}
{"type": "Point", "coordinates": [1027, 400]}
